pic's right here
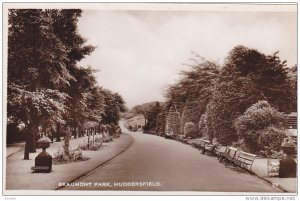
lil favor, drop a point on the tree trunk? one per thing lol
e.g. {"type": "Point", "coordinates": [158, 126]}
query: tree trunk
{"type": "Point", "coordinates": [88, 138]}
{"type": "Point", "coordinates": [67, 143]}
{"type": "Point", "coordinates": [58, 130]}
{"type": "Point", "coordinates": [74, 132]}
{"type": "Point", "coordinates": [26, 151]}
{"type": "Point", "coordinates": [31, 137]}
{"type": "Point", "coordinates": [94, 135]}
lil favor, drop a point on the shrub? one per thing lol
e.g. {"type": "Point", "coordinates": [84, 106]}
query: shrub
{"type": "Point", "coordinates": [261, 127]}
{"type": "Point", "coordinates": [95, 146]}
{"type": "Point", "coordinates": [271, 138]}
{"type": "Point", "coordinates": [91, 146]}
{"type": "Point", "coordinates": [190, 130]}
{"type": "Point", "coordinates": [191, 113]}
{"type": "Point", "coordinates": [107, 138]}
{"type": "Point", "coordinates": [98, 140]}
{"type": "Point", "coordinates": [173, 123]}
{"type": "Point", "coordinates": [61, 158]}
{"type": "Point", "coordinates": [76, 155]}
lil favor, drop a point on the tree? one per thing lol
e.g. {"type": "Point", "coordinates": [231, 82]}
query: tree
{"type": "Point", "coordinates": [37, 54]}
{"type": "Point", "coordinates": [47, 105]}
{"type": "Point", "coordinates": [191, 112]}
{"type": "Point", "coordinates": [160, 124]}
{"type": "Point", "coordinates": [114, 104]}
{"type": "Point", "coordinates": [261, 126]}
{"type": "Point", "coordinates": [267, 72]}
{"type": "Point", "coordinates": [65, 28]}
{"type": "Point", "coordinates": [194, 89]}
{"type": "Point", "coordinates": [292, 75]}
{"type": "Point", "coordinates": [231, 97]}
{"type": "Point", "coordinates": [151, 116]}
{"type": "Point", "coordinates": [247, 77]}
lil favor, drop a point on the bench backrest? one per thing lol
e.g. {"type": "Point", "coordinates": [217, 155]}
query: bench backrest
{"type": "Point", "coordinates": [231, 152]}
{"type": "Point", "coordinates": [203, 142]}
{"type": "Point", "coordinates": [246, 157]}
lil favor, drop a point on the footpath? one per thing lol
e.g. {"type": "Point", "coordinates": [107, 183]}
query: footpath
{"type": "Point", "coordinates": [19, 175]}
{"type": "Point", "coordinates": [260, 169]}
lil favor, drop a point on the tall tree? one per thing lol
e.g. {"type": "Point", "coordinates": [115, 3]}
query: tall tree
{"type": "Point", "coordinates": [114, 104]}
{"type": "Point", "coordinates": [268, 73]}
{"type": "Point", "coordinates": [151, 115]}
{"type": "Point", "coordinates": [36, 62]}
{"type": "Point", "coordinates": [194, 87]}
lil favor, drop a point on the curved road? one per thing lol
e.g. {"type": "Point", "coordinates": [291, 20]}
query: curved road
{"type": "Point", "coordinates": [170, 166]}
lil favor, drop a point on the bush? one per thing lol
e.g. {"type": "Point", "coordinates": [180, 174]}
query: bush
{"type": "Point", "coordinates": [95, 146]}
{"type": "Point", "coordinates": [61, 158]}
{"type": "Point", "coordinates": [98, 140]}
{"type": "Point", "coordinates": [261, 127]}
{"type": "Point", "coordinates": [271, 138]}
{"type": "Point", "coordinates": [91, 146]}
{"type": "Point", "coordinates": [76, 155]}
{"type": "Point", "coordinates": [190, 130]}
{"type": "Point", "coordinates": [107, 138]}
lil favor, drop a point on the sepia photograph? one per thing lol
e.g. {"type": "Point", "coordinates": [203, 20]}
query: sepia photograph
{"type": "Point", "coordinates": [150, 99]}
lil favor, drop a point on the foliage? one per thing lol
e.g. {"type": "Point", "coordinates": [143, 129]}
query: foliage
{"type": "Point", "coordinates": [107, 138]}
{"type": "Point", "coordinates": [114, 104]}
{"type": "Point", "coordinates": [98, 139]}
{"type": "Point", "coordinates": [271, 138]}
{"type": "Point", "coordinates": [151, 116]}
{"type": "Point", "coordinates": [203, 126]}
{"type": "Point", "coordinates": [36, 67]}
{"type": "Point", "coordinates": [49, 105]}
{"type": "Point", "coordinates": [160, 124]}
{"type": "Point", "coordinates": [191, 113]}
{"type": "Point", "coordinates": [267, 72]}
{"type": "Point", "coordinates": [190, 130]}
{"type": "Point", "coordinates": [261, 126]}
{"type": "Point", "coordinates": [231, 97]}
{"type": "Point", "coordinates": [90, 146]}
{"type": "Point", "coordinates": [61, 158]}
{"type": "Point", "coordinates": [289, 142]}
{"type": "Point", "coordinates": [194, 87]}
{"type": "Point", "coordinates": [173, 124]}
{"type": "Point", "coordinates": [46, 86]}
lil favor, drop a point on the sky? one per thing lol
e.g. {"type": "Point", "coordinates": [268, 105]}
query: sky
{"type": "Point", "coordinates": [140, 53]}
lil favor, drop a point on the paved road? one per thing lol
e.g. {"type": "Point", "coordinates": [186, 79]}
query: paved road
{"type": "Point", "coordinates": [171, 166]}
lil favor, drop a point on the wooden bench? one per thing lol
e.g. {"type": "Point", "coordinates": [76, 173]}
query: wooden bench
{"type": "Point", "coordinates": [229, 155]}
{"type": "Point", "coordinates": [245, 160]}
{"type": "Point", "coordinates": [213, 149]}
{"type": "Point", "coordinates": [201, 144]}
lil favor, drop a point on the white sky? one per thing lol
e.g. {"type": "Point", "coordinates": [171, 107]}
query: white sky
{"type": "Point", "coordinates": [139, 53]}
